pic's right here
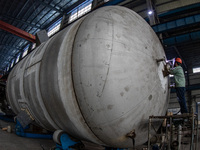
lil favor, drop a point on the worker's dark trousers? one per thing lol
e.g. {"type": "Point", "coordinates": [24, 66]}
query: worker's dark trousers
{"type": "Point", "coordinates": [180, 91]}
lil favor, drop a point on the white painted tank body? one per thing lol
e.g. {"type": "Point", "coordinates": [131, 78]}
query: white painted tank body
{"type": "Point", "coordinates": [97, 79]}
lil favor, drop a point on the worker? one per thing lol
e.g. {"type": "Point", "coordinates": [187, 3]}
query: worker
{"type": "Point", "coordinates": [179, 77]}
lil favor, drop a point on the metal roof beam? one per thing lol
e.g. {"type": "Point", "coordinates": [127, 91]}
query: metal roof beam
{"type": "Point", "coordinates": [65, 12]}
{"type": "Point", "coordinates": [7, 45]}
{"type": "Point", "coordinates": [182, 39]}
{"type": "Point", "coordinates": [12, 35]}
{"type": "Point", "coordinates": [22, 8]}
{"type": "Point", "coordinates": [6, 60]}
{"type": "Point", "coordinates": [17, 31]}
{"type": "Point", "coordinates": [51, 7]}
{"type": "Point", "coordinates": [21, 21]}
{"type": "Point", "coordinates": [171, 25]}
{"type": "Point", "coordinates": [74, 5]}
{"type": "Point", "coordinates": [7, 55]}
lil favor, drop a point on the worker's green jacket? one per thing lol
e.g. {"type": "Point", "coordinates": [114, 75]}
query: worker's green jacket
{"type": "Point", "coordinates": [178, 76]}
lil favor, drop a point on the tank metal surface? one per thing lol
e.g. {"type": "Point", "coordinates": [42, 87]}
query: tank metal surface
{"type": "Point", "coordinates": [98, 79]}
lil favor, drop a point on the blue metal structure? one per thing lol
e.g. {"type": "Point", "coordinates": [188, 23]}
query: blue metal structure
{"type": "Point", "coordinates": [66, 143]}
{"type": "Point", "coordinates": [181, 30]}
{"type": "Point", "coordinates": [189, 88]}
{"type": "Point", "coordinates": [182, 38]}
{"type": "Point", "coordinates": [181, 9]}
{"type": "Point", "coordinates": [178, 24]}
{"type": "Point", "coordinates": [20, 131]}
{"type": "Point", "coordinates": [164, 27]}
{"type": "Point", "coordinates": [6, 118]}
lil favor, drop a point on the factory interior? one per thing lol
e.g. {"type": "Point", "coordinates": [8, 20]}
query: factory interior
{"type": "Point", "coordinates": [97, 74]}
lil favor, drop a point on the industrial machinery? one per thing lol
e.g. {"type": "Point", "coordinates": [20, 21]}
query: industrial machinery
{"type": "Point", "coordinates": [99, 79]}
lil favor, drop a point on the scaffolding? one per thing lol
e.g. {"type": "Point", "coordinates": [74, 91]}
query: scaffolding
{"type": "Point", "coordinates": [176, 132]}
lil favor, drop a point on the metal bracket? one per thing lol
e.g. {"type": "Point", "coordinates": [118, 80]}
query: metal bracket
{"type": "Point", "coordinates": [132, 135]}
{"type": "Point", "coordinates": [64, 142]}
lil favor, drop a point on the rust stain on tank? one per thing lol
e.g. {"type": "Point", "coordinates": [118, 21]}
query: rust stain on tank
{"type": "Point", "coordinates": [110, 107]}
{"type": "Point", "coordinates": [150, 97]}
{"type": "Point", "coordinates": [126, 88]}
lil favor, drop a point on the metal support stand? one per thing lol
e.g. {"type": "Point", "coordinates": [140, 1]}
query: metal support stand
{"type": "Point", "coordinates": [179, 136]}
{"type": "Point", "coordinates": [192, 133]}
{"type": "Point", "coordinates": [174, 126]}
{"type": "Point", "coordinates": [197, 133]}
{"type": "Point", "coordinates": [20, 131]}
{"type": "Point", "coordinates": [170, 137]}
{"type": "Point", "coordinates": [41, 37]}
{"type": "Point", "coordinates": [64, 142]}
{"type": "Point", "coordinates": [132, 135]}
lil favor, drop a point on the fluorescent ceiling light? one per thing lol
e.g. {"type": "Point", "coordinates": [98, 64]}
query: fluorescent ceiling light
{"type": "Point", "coordinates": [150, 12]}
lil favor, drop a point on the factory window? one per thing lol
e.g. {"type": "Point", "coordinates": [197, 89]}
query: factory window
{"type": "Point", "coordinates": [196, 70]}
{"type": "Point", "coordinates": [73, 17]}
{"type": "Point", "coordinates": [84, 10]}
{"type": "Point", "coordinates": [80, 10]}
{"type": "Point", "coordinates": [171, 75]}
{"type": "Point", "coordinates": [33, 46]}
{"type": "Point", "coordinates": [25, 51]}
{"type": "Point", "coordinates": [106, 1]}
{"type": "Point", "coordinates": [54, 28]}
{"type": "Point", "coordinates": [12, 64]}
{"type": "Point", "coordinates": [17, 59]}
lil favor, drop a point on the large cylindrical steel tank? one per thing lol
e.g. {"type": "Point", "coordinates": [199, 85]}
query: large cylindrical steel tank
{"type": "Point", "coordinates": [97, 79]}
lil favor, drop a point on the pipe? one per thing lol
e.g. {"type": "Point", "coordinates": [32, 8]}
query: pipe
{"type": "Point", "coordinates": [179, 136]}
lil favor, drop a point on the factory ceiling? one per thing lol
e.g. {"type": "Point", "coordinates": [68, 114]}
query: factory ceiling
{"type": "Point", "coordinates": [30, 16]}
{"type": "Point", "coordinates": [177, 24]}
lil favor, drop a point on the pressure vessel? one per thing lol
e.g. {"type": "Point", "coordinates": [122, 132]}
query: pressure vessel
{"type": "Point", "coordinates": [97, 79]}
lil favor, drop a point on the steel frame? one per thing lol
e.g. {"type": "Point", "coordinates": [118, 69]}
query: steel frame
{"type": "Point", "coordinates": [170, 131]}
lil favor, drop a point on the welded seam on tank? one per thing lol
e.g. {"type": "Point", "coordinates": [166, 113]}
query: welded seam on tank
{"type": "Point", "coordinates": [33, 54]}
{"type": "Point", "coordinates": [25, 60]}
{"type": "Point", "coordinates": [12, 87]}
{"type": "Point", "coordinates": [109, 61]}
{"type": "Point", "coordinates": [109, 64]}
{"type": "Point", "coordinates": [138, 51]}
{"type": "Point", "coordinates": [142, 101]}
{"type": "Point", "coordinates": [73, 45]}
{"type": "Point", "coordinates": [9, 94]}
{"type": "Point", "coordinates": [107, 71]}
{"type": "Point", "coordinates": [46, 114]}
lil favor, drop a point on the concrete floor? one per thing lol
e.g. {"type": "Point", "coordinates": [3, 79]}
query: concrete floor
{"type": "Point", "coordinates": [10, 141]}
